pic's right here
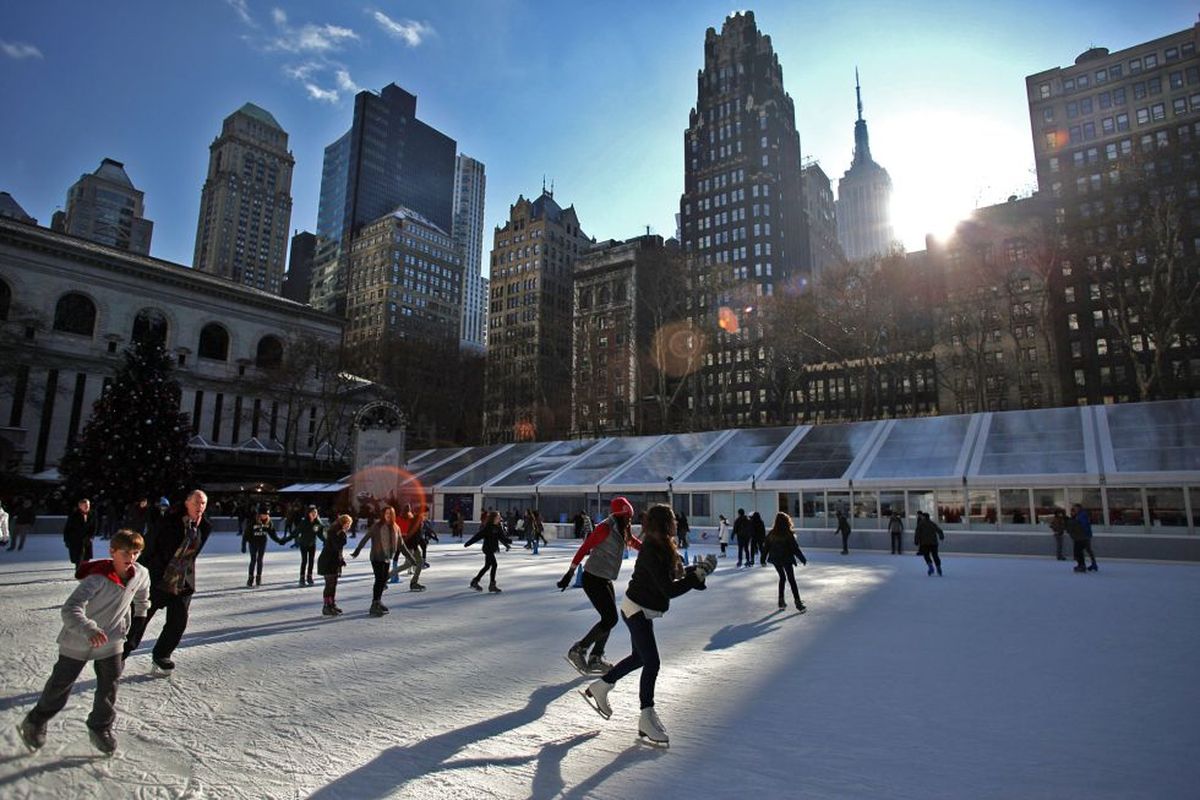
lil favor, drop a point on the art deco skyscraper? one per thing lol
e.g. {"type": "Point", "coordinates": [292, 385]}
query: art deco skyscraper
{"type": "Point", "coordinates": [864, 201]}
{"type": "Point", "coordinates": [246, 205]}
{"type": "Point", "coordinates": [741, 215]}
{"type": "Point", "coordinates": [470, 184]}
{"type": "Point", "coordinates": [106, 208]}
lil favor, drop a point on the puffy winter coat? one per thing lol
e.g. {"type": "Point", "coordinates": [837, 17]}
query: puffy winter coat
{"type": "Point", "coordinates": [782, 548]}
{"type": "Point", "coordinates": [653, 583]}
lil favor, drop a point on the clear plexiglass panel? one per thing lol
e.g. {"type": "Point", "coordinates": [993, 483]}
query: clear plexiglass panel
{"type": "Point", "coordinates": [1047, 441]}
{"type": "Point", "coordinates": [924, 447]}
{"type": "Point", "coordinates": [598, 465]}
{"type": "Point", "coordinates": [539, 468]}
{"type": "Point", "coordinates": [740, 456]}
{"type": "Point", "coordinates": [482, 473]}
{"type": "Point", "coordinates": [826, 451]}
{"type": "Point", "coordinates": [667, 459]}
{"type": "Point", "coordinates": [462, 461]}
{"type": "Point", "coordinates": [1155, 437]}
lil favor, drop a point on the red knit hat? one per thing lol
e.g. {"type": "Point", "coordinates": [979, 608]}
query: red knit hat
{"type": "Point", "coordinates": [621, 508]}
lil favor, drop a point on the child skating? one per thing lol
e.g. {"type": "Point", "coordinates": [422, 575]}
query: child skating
{"type": "Point", "coordinates": [331, 561]}
{"type": "Point", "coordinates": [492, 535]}
{"type": "Point", "coordinates": [658, 575]}
{"type": "Point", "coordinates": [255, 540]}
{"type": "Point", "coordinates": [96, 618]}
{"type": "Point", "coordinates": [783, 551]}
{"type": "Point", "coordinates": [604, 548]}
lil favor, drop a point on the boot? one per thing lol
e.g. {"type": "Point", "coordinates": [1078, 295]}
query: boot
{"type": "Point", "coordinates": [1093, 567]}
{"type": "Point", "coordinates": [939, 570]}
{"type": "Point", "coordinates": [651, 729]}
{"type": "Point", "coordinates": [493, 588]}
{"type": "Point", "coordinates": [596, 665]}
{"type": "Point", "coordinates": [250, 582]}
{"type": "Point", "coordinates": [327, 610]}
{"type": "Point", "coordinates": [475, 585]}
{"type": "Point", "coordinates": [576, 659]}
{"type": "Point", "coordinates": [376, 610]}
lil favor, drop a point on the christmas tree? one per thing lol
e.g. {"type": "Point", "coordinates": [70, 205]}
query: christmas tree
{"type": "Point", "coordinates": [136, 442]}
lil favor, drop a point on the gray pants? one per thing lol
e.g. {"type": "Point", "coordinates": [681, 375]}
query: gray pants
{"type": "Point", "coordinates": [408, 564]}
{"type": "Point", "coordinates": [63, 677]}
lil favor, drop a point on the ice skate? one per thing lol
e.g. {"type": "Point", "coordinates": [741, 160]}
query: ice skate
{"type": "Point", "coordinates": [597, 665]}
{"type": "Point", "coordinates": [800, 607]}
{"type": "Point", "coordinates": [250, 582]}
{"type": "Point", "coordinates": [1093, 568]}
{"type": "Point", "coordinates": [939, 570]}
{"type": "Point", "coordinates": [650, 729]}
{"type": "Point", "coordinates": [103, 740]}
{"type": "Point", "coordinates": [596, 695]}
{"type": "Point", "coordinates": [336, 611]}
{"type": "Point", "coordinates": [310, 580]}
{"type": "Point", "coordinates": [782, 604]}
{"type": "Point", "coordinates": [930, 571]}
{"type": "Point", "coordinates": [416, 587]}
{"type": "Point", "coordinates": [258, 580]}
{"type": "Point", "coordinates": [302, 583]}
{"type": "Point", "coordinates": [1080, 569]}
{"type": "Point", "coordinates": [575, 658]}
{"type": "Point", "coordinates": [34, 736]}
{"type": "Point", "coordinates": [162, 667]}
{"type": "Point", "coordinates": [327, 610]}
{"type": "Point", "coordinates": [376, 610]}
{"type": "Point", "coordinates": [474, 585]}
{"type": "Point", "coordinates": [493, 588]}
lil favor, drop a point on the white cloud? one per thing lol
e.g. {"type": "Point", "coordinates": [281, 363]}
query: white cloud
{"type": "Point", "coordinates": [243, 11]}
{"type": "Point", "coordinates": [345, 82]}
{"type": "Point", "coordinates": [19, 50]}
{"type": "Point", "coordinates": [301, 72]}
{"type": "Point", "coordinates": [279, 16]}
{"type": "Point", "coordinates": [411, 32]}
{"type": "Point", "coordinates": [314, 38]}
{"type": "Point", "coordinates": [317, 93]}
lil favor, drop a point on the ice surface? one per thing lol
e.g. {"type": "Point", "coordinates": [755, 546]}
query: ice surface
{"type": "Point", "coordinates": [1008, 678]}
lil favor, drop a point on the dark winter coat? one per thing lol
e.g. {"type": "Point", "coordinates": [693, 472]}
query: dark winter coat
{"type": "Point", "coordinates": [759, 527]}
{"type": "Point", "coordinates": [1075, 530]}
{"type": "Point", "coordinates": [743, 529]}
{"type": "Point", "coordinates": [331, 560]}
{"type": "Point", "coordinates": [653, 583]}
{"type": "Point", "coordinates": [782, 548]}
{"type": "Point", "coordinates": [927, 533]}
{"type": "Point", "coordinates": [306, 532]}
{"type": "Point", "coordinates": [79, 529]}
{"type": "Point", "coordinates": [843, 524]}
{"type": "Point", "coordinates": [160, 549]}
{"type": "Point", "coordinates": [261, 530]}
{"type": "Point", "coordinates": [492, 536]}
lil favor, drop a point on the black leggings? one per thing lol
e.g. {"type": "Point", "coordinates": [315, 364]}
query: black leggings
{"type": "Point", "coordinates": [604, 600]}
{"type": "Point", "coordinates": [787, 573]}
{"type": "Point", "coordinates": [644, 655]}
{"type": "Point", "coordinates": [257, 548]}
{"type": "Point", "coordinates": [380, 568]}
{"type": "Point", "coordinates": [330, 587]}
{"type": "Point", "coordinates": [930, 552]}
{"type": "Point", "coordinates": [308, 559]}
{"type": "Point", "coordinates": [489, 563]}
{"type": "Point", "coordinates": [744, 550]}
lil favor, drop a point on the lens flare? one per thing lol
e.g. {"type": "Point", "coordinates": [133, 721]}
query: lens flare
{"type": "Point", "coordinates": [388, 484]}
{"type": "Point", "coordinates": [727, 320]}
{"type": "Point", "coordinates": [677, 348]}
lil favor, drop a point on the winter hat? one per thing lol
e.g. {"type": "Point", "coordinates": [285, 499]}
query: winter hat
{"type": "Point", "coordinates": [263, 509]}
{"type": "Point", "coordinates": [621, 508]}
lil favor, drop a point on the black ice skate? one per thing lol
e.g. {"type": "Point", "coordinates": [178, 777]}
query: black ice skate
{"type": "Point", "coordinates": [34, 736]}
{"type": "Point", "coordinates": [103, 740]}
{"type": "Point", "coordinates": [575, 658]}
{"type": "Point", "coordinates": [163, 667]}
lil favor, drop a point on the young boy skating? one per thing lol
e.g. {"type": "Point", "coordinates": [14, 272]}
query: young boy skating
{"type": "Point", "coordinates": [96, 618]}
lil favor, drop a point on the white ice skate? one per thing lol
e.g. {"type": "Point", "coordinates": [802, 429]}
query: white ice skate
{"type": "Point", "coordinates": [596, 695]}
{"type": "Point", "coordinates": [650, 729]}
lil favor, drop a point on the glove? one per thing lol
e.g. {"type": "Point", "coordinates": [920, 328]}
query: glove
{"type": "Point", "coordinates": [804, 561]}
{"type": "Point", "coordinates": [694, 577]}
{"type": "Point", "coordinates": [565, 581]}
{"type": "Point", "coordinates": [707, 566]}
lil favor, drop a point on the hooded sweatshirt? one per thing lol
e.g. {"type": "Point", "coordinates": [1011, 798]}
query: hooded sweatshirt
{"type": "Point", "coordinates": [102, 602]}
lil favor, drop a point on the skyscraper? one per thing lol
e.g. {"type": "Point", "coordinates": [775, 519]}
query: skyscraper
{"type": "Point", "coordinates": [298, 281]}
{"type": "Point", "coordinates": [470, 184]}
{"type": "Point", "coordinates": [824, 250]}
{"type": "Point", "coordinates": [864, 201]}
{"type": "Point", "coordinates": [388, 159]}
{"type": "Point", "coordinates": [246, 205]}
{"type": "Point", "coordinates": [106, 208]}
{"type": "Point", "coordinates": [742, 214]}
{"type": "Point", "coordinates": [527, 391]}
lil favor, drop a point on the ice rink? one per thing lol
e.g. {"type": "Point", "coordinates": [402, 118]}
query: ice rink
{"type": "Point", "coordinates": [1007, 678]}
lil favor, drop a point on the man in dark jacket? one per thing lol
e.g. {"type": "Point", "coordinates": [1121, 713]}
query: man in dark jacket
{"type": "Point", "coordinates": [79, 532]}
{"type": "Point", "coordinates": [743, 531]}
{"type": "Point", "coordinates": [171, 559]}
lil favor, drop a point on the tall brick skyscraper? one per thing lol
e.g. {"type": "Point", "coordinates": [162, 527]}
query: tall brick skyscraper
{"type": "Point", "coordinates": [741, 215]}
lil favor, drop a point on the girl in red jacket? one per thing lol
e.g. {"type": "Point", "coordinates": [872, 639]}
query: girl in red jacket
{"type": "Point", "coordinates": [604, 548]}
{"type": "Point", "coordinates": [658, 575]}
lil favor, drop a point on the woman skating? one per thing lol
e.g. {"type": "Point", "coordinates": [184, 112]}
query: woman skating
{"type": "Point", "coordinates": [783, 552]}
{"type": "Point", "coordinates": [384, 537]}
{"type": "Point", "coordinates": [604, 548]}
{"type": "Point", "coordinates": [658, 575]}
{"type": "Point", "coordinates": [926, 538]}
{"type": "Point", "coordinates": [492, 534]}
{"type": "Point", "coordinates": [255, 540]}
{"type": "Point", "coordinates": [331, 561]}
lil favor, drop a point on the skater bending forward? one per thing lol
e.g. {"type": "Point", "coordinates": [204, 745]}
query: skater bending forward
{"type": "Point", "coordinates": [492, 534]}
{"type": "Point", "coordinates": [658, 575]}
{"type": "Point", "coordinates": [604, 548]}
{"type": "Point", "coordinates": [96, 617]}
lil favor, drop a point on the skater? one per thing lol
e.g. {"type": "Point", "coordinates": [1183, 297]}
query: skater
{"type": "Point", "coordinates": [24, 516]}
{"type": "Point", "coordinates": [658, 575]}
{"type": "Point", "coordinates": [843, 527]}
{"type": "Point", "coordinates": [784, 551]}
{"type": "Point", "coordinates": [111, 593]}
{"type": "Point", "coordinates": [456, 524]}
{"type": "Point", "coordinates": [1079, 526]}
{"type": "Point", "coordinates": [331, 561]}
{"type": "Point", "coordinates": [743, 531]}
{"type": "Point", "coordinates": [305, 532]}
{"type": "Point", "coordinates": [384, 537]}
{"type": "Point", "coordinates": [492, 534]}
{"type": "Point", "coordinates": [604, 549]}
{"type": "Point", "coordinates": [896, 530]}
{"type": "Point", "coordinates": [170, 558]}
{"type": "Point", "coordinates": [1058, 526]}
{"type": "Point", "coordinates": [681, 530]}
{"type": "Point", "coordinates": [537, 531]}
{"type": "Point", "coordinates": [758, 545]}
{"type": "Point", "coordinates": [4, 535]}
{"type": "Point", "coordinates": [255, 539]}
{"type": "Point", "coordinates": [79, 531]}
{"type": "Point", "coordinates": [926, 537]}
{"type": "Point", "coordinates": [412, 547]}
{"type": "Point", "coordinates": [723, 533]}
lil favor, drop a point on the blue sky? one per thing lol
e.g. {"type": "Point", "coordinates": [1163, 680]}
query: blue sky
{"type": "Point", "coordinates": [595, 96]}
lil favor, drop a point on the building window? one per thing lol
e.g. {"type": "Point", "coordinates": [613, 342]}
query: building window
{"type": "Point", "coordinates": [269, 354]}
{"type": "Point", "coordinates": [150, 325]}
{"type": "Point", "coordinates": [214, 342]}
{"type": "Point", "coordinates": [75, 314]}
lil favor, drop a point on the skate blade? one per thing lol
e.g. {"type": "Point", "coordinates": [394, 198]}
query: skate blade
{"type": "Point", "coordinates": [591, 701]}
{"type": "Point", "coordinates": [645, 739]}
{"type": "Point", "coordinates": [155, 672]}
{"type": "Point", "coordinates": [575, 667]}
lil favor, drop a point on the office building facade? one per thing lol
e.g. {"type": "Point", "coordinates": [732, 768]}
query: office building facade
{"type": "Point", "coordinates": [106, 208]}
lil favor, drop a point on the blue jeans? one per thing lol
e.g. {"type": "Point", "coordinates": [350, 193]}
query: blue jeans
{"type": "Point", "coordinates": [644, 655]}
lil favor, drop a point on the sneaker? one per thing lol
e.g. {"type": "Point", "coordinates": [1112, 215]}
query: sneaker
{"type": "Point", "coordinates": [575, 659]}
{"type": "Point", "coordinates": [494, 588]}
{"type": "Point", "coordinates": [34, 736]}
{"type": "Point", "coordinates": [416, 587]}
{"type": "Point", "coordinates": [103, 740]}
{"type": "Point", "coordinates": [597, 665]}
{"type": "Point", "coordinates": [476, 586]}
{"type": "Point", "coordinates": [651, 729]}
{"type": "Point", "coordinates": [596, 695]}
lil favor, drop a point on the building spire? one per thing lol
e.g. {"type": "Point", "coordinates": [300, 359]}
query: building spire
{"type": "Point", "coordinates": [862, 144]}
{"type": "Point", "coordinates": [858, 93]}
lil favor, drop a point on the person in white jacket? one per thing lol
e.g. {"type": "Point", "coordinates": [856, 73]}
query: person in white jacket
{"type": "Point", "coordinates": [96, 618]}
{"type": "Point", "coordinates": [3, 525]}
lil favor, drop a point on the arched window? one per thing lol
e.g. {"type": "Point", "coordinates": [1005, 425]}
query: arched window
{"type": "Point", "coordinates": [5, 300]}
{"type": "Point", "coordinates": [622, 292]}
{"type": "Point", "coordinates": [585, 298]}
{"type": "Point", "coordinates": [605, 296]}
{"type": "Point", "coordinates": [150, 325]}
{"type": "Point", "coordinates": [214, 342]}
{"type": "Point", "coordinates": [76, 314]}
{"type": "Point", "coordinates": [270, 353]}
